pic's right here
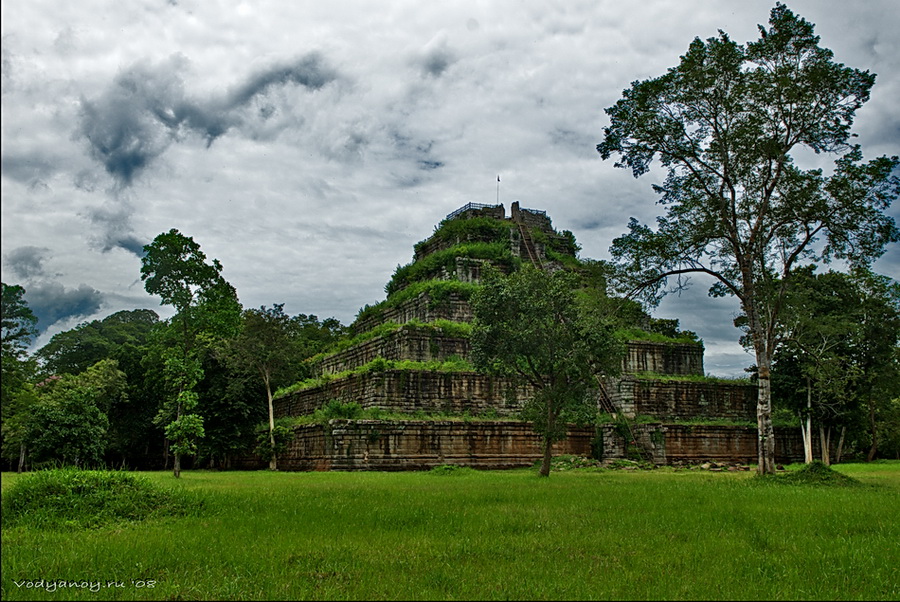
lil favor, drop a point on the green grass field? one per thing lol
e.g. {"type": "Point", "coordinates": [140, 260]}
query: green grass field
{"type": "Point", "coordinates": [632, 535]}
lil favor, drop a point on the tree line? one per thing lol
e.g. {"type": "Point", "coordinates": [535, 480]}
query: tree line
{"type": "Point", "coordinates": [132, 390]}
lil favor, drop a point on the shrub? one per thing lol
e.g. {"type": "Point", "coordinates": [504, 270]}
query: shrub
{"type": "Point", "coordinates": [816, 473]}
{"type": "Point", "coordinates": [68, 498]}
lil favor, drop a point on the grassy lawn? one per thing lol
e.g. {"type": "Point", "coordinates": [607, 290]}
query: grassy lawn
{"type": "Point", "coordinates": [631, 535]}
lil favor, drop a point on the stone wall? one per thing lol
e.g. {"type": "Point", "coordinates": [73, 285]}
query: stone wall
{"type": "Point", "coordinates": [531, 218]}
{"type": "Point", "coordinates": [418, 445]}
{"type": "Point", "coordinates": [681, 359]}
{"type": "Point", "coordinates": [681, 399]}
{"type": "Point", "coordinates": [494, 444]}
{"type": "Point", "coordinates": [420, 345]}
{"type": "Point", "coordinates": [422, 308]}
{"type": "Point", "coordinates": [411, 391]}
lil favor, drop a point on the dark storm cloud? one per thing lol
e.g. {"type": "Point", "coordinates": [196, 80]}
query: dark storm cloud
{"type": "Point", "coordinates": [310, 72]}
{"type": "Point", "coordinates": [146, 109]}
{"type": "Point", "coordinates": [27, 262]}
{"type": "Point", "coordinates": [114, 223]}
{"type": "Point", "coordinates": [52, 302]}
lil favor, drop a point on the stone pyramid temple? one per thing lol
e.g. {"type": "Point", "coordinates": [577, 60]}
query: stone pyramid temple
{"type": "Point", "coordinates": [400, 394]}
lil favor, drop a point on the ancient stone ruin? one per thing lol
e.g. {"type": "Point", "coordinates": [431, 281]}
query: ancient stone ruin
{"type": "Point", "coordinates": [418, 403]}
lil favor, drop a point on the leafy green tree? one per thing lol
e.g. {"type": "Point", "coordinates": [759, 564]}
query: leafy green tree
{"type": "Point", "coordinates": [725, 123]}
{"type": "Point", "coordinates": [531, 326]}
{"type": "Point", "coordinates": [69, 423]}
{"type": "Point", "coordinates": [207, 307]}
{"type": "Point", "coordinates": [266, 343]}
{"type": "Point", "coordinates": [877, 353]}
{"type": "Point", "coordinates": [19, 324]}
{"type": "Point", "coordinates": [838, 363]}
{"type": "Point", "coordinates": [19, 327]}
{"type": "Point", "coordinates": [274, 345]}
{"type": "Point", "coordinates": [17, 413]}
{"type": "Point", "coordinates": [813, 369]}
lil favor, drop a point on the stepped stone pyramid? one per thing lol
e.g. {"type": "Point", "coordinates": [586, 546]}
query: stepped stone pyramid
{"type": "Point", "coordinates": [407, 363]}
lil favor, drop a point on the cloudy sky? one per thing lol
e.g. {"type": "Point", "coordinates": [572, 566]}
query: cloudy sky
{"type": "Point", "coordinates": [309, 145]}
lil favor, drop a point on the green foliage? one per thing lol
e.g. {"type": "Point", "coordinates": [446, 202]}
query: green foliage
{"type": "Point", "coordinates": [208, 311]}
{"type": "Point", "coordinates": [184, 433]}
{"type": "Point", "coordinates": [70, 499]}
{"type": "Point", "coordinates": [478, 229]}
{"type": "Point", "coordinates": [840, 362]}
{"type": "Point", "coordinates": [439, 291]}
{"type": "Point", "coordinates": [692, 378]}
{"type": "Point", "coordinates": [339, 410]}
{"type": "Point", "coordinates": [379, 364]}
{"type": "Point", "coordinates": [122, 336]}
{"type": "Point", "coordinates": [282, 435]}
{"type": "Point", "coordinates": [429, 267]}
{"type": "Point", "coordinates": [530, 326]}
{"type": "Point", "coordinates": [69, 423]}
{"type": "Point", "coordinates": [18, 322]}
{"type": "Point", "coordinates": [639, 334]}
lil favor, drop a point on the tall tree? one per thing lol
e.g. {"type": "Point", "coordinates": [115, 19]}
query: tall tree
{"type": "Point", "coordinates": [19, 327]}
{"type": "Point", "coordinates": [531, 326]}
{"type": "Point", "coordinates": [266, 343]}
{"type": "Point", "coordinates": [877, 351]}
{"type": "Point", "coordinates": [19, 324]}
{"type": "Point", "coordinates": [815, 369]}
{"type": "Point", "coordinates": [175, 268]}
{"type": "Point", "coordinates": [725, 123]}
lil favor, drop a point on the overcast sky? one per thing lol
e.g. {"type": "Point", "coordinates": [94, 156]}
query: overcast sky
{"type": "Point", "coordinates": [309, 145]}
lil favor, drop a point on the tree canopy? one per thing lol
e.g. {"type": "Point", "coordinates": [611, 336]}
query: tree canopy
{"type": "Point", "coordinates": [531, 326]}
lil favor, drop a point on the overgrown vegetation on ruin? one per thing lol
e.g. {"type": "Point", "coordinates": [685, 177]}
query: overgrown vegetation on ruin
{"type": "Point", "coordinates": [379, 364]}
{"type": "Point", "coordinates": [431, 266]}
{"type": "Point", "coordinates": [438, 291]}
{"type": "Point", "coordinates": [341, 410]}
{"type": "Point", "coordinates": [618, 534]}
{"type": "Point", "coordinates": [478, 229]}
{"type": "Point", "coordinates": [691, 378]}
{"type": "Point", "coordinates": [445, 328]}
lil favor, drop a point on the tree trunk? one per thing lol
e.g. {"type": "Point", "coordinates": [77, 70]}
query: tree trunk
{"type": "Point", "coordinates": [807, 432]}
{"type": "Point", "coordinates": [873, 451]}
{"type": "Point", "coordinates": [177, 466]}
{"type": "Point", "coordinates": [764, 348]}
{"type": "Point", "coordinates": [824, 441]}
{"type": "Point", "coordinates": [547, 442]}
{"type": "Point", "coordinates": [840, 447]}
{"type": "Point", "coordinates": [548, 456]}
{"type": "Point", "coordinates": [21, 458]}
{"type": "Point", "coordinates": [273, 463]}
{"type": "Point", "coordinates": [766, 445]}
